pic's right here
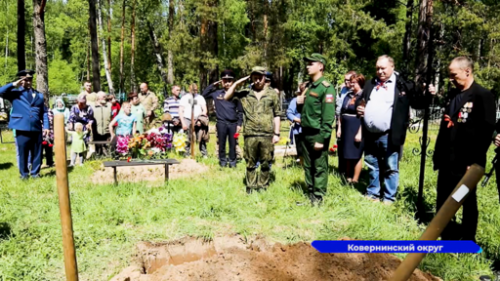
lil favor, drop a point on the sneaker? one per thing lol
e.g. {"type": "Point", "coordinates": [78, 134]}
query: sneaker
{"type": "Point", "coordinates": [372, 198]}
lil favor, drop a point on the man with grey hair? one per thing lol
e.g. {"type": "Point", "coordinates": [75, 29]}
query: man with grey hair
{"type": "Point", "coordinates": [102, 117]}
{"type": "Point", "coordinates": [385, 107]}
{"type": "Point", "coordinates": [464, 136]}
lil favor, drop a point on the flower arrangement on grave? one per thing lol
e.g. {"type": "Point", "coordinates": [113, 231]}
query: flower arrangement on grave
{"type": "Point", "coordinates": [153, 144]}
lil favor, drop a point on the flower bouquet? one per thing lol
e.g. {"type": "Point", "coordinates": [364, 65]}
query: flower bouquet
{"type": "Point", "coordinates": [153, 144]}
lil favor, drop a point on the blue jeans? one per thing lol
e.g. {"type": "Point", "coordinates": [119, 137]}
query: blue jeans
{"type": "Point", "coordinates": [380, 155]}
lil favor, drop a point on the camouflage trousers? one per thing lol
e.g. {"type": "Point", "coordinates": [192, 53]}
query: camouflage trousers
{"type": "Point", "coordinates": [239, 152]}
{"type": "Point", "coordinates": [258, 149]}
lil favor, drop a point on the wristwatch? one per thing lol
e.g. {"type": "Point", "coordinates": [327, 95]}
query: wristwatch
{"type": "Point", "coordinates": [277, 135]}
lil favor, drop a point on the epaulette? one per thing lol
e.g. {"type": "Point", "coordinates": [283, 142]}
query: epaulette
{"type": "Point", "coordinates": [325, 83]}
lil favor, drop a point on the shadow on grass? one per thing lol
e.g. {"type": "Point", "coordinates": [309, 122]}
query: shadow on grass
{"type": "Point", "coordinates": [53, 172]}
{"type": "Point", "coordinates": [425, 212]}
{"type": "Point", "coordinates": [364, 179]}
{"type": "Point", "coordinates": [5, 230]}
{"type": "Point", "coordinates": [5, 166]}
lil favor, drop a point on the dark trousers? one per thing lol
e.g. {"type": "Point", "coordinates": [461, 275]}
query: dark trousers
{"type": "Point", "coordinates": [49, 159]}
{"type": "Point", "coordinates": [29, 142]}
{"type": "Point", "coordinates": [101, 148]}
{"type": "Point", "coordinates": [225, 132]}
{"type": "Point", "coordinates": [448, 178]}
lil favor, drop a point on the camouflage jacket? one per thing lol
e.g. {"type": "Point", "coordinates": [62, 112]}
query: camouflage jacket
{"type": "Point", "coordinates": [258, 115]}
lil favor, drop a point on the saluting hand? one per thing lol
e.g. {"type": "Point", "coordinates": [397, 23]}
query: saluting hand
{"type": "Point", "coordinates": [239, 82]}
{"type": "Point", "coordinates": [217, 83]}
{"type": "Point", "coordinates": [18, 82]}
{"type": "Point", "coordinates": [497, 140]}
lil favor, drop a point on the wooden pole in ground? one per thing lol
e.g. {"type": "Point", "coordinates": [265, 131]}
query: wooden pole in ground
{"type": "Point", "coordinates": [445, 214]}
{"type": "Point", "coordinates": [64, 200]}
{"type": "Point", "coordinates": [193, 138]}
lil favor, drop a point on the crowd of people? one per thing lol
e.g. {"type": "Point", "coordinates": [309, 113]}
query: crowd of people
{"type": "Point", "coordinates": [370, 117]}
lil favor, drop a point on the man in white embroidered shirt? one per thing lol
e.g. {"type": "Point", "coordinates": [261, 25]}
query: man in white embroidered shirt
{"type": "Point", "coordinates": [385, 107]}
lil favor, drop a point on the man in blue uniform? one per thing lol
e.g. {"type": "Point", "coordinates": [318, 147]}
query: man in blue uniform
{"type": "Point", "coordinates": [28, 113]}
{"type": "Point", "coordinates": [229, 117]}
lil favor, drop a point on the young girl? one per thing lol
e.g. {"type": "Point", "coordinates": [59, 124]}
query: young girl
{"type": "Point", "coordinates": [77, 144]}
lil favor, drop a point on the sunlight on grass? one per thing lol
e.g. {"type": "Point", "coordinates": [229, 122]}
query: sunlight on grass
{"type": "Point", "coordinates": [109, 221]}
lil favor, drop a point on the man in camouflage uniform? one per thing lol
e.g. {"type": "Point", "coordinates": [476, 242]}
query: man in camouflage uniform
{"type": "Point", "coordinates": [317, 104]}
{"type": "Point", "coordinates": [261, 126]}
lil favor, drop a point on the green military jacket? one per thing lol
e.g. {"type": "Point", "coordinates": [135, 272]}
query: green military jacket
{"type": "Point", "coordinates": [318, 111]}
{"type": "Point", "coordinates": [258, 115]}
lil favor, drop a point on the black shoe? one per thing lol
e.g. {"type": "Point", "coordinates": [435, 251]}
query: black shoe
{"type": "Point", "coordinates": [223, 165]}
{"type": "Point", "coordinates": [316, 200]}
{"type": "Point", "coordinates": [249, 190]}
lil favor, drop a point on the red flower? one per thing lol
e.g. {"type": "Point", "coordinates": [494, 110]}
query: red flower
{"type": "Point", "coordinates": [128, 159]}
{"type": "Point", "coordinates": [236, 135]}
{"type": "Point", "coordinates": [51, 145]}
{"type": "Point", "coordinates": [44, 142]}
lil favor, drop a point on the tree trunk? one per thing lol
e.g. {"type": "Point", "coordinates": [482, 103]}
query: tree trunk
{"type": "Point", "coordinates": [266, 26]}
{"type": "Point", "coordinates": [157, 51]}
{"type": "Point", "coordinates": [170, 59]}
{"type": "Point", "coordinates": [21, 33]}
{"type": "Point", "coordinates": [407, 37]}
{"type": "Point", "coordinates": [42, 76]}
{"type": "Point", "coordinates": [109, 35]}
{"type": "Point", "coordinates": [132, 48]}
{"type": "Point", "coordinates": [423, 40]}
{"type": "Point", "coordinates": [96, 68]}
{"type": "Point", "coordinates": [478, 51]}
{"type": "Point", "coordinates": [208, 46]}
{"type": "Point", "coordinates": [122, 80]}
{"type": "Point", "coordinates": [88, 62]}
{"type": "Point", "coordinates": [104, 53]}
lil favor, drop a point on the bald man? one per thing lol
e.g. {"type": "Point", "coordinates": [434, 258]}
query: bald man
{"type": "Point", "coordinates": [149, 101]}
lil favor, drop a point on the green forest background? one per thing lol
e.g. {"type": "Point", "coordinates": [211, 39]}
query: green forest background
{"type": "Point", "coordinates": [196, 39]}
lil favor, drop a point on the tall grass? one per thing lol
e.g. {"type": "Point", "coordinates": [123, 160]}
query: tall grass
{"type": "Point", "coordinates": [109, 220]}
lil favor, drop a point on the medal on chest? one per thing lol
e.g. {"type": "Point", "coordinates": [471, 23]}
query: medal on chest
{"type": "Point", "coordinates": [463, 115]}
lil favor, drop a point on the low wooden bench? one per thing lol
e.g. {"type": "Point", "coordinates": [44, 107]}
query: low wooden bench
{"type": "Point", "coordinates": [165, 162]}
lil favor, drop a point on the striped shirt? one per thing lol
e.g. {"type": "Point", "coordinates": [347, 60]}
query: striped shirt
{"type": "Point", "coordinates": [171, 105]}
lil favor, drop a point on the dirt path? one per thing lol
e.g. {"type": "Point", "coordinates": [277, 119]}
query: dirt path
{"type": "Point", "coordinates": [230, 258]}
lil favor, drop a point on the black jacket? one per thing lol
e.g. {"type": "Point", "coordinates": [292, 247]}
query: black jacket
{"type": "Point", "coordinates": [405, 95]}
{"type": "Point", "coordinates": [226, 111]}
{"type": "Point", "coordinates": [465, 143]}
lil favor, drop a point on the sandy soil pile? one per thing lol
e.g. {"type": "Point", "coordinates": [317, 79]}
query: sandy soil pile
{"type": "Point", "coordinates": [187, 168]}
{"type": "Point", "coordinates": [230, 258]}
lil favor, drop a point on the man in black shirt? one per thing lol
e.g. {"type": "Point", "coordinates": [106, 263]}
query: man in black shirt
{"type": "Point", "coordinates": [463, 139]}
{"type": "Point", "coordinates": [229, 117]}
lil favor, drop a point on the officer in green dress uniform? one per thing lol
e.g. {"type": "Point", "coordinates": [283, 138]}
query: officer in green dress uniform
{"type": "Point", "coordinates": [317, 105]}
{"type": "Point", "coordinates": [261, 126]}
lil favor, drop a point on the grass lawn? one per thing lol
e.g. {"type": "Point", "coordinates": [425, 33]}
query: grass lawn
{"type": "Point", "coordinates": [109, 221]}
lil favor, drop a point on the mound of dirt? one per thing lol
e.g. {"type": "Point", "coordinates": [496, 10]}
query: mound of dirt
{"type": "Point", "coordinates": [187, 168]}
{"type": "Point", "coordinates": [230, 258]}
